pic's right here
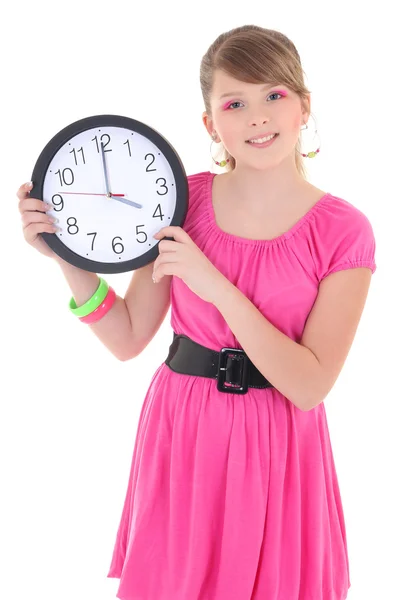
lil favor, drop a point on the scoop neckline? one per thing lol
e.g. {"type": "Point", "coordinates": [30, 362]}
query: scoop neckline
{"type": "Point", "coordinates": [276, 240]}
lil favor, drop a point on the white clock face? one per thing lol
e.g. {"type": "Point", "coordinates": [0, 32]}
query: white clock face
{"type": "Point", "coordinates": [102, 228]}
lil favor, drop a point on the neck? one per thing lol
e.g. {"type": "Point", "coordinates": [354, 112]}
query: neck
{"type": "Point", "coordinates": [265, 189]}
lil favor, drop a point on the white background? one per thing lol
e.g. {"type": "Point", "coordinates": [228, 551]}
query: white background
{"type": "Point", "coordinates": [69, 408]}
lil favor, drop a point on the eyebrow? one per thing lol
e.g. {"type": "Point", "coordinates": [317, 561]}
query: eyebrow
{"type": "Point", "coordinates": [239, 93]}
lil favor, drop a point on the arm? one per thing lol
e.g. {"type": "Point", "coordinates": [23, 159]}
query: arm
{"type": "Point", "coordinates": [130, 324]}
{"type": "Point", "coordinates": [303, 372]}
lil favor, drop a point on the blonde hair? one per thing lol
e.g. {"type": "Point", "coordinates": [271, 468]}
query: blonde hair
{"type": "Point", "coordinates": [255, 55]}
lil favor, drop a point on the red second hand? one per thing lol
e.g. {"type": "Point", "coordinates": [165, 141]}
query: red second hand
{"type": "Point", "coordinates": [89, 194]}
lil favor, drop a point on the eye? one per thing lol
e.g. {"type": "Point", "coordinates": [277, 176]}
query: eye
{"type": "Point", "coordinates": [273, 94]}
{"type": "Point", "coordinates": [228, 107]}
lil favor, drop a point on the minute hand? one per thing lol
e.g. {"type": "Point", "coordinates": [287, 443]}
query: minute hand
{"type": "Point", "coordinates": [125, 201]}
{"type": "Point", "coordinates": [105, 169]}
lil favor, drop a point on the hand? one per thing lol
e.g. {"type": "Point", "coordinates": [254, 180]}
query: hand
{"type": "Point", "coordinates": [35, 221]}
{"type": "Point", "coordinates": [184, 259]}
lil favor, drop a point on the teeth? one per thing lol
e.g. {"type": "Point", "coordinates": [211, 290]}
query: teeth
{"type": "Point", "coordinates": [262, 140]}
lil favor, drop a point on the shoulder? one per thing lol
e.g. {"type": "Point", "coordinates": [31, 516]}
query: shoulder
{"type": "Point", "coordinates": [340, 216]}
{"type": "Point", "coordinates": [344, 236]}
{"type": "Point", "coordinates": [197, 180]}
{"type": "Point", "coordinates": [197, 193]}
{"type": "Point", "coordinates": [198, 187]}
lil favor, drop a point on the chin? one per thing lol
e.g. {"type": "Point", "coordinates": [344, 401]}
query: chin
{"type": "Point", "coordinates": [260, 165]}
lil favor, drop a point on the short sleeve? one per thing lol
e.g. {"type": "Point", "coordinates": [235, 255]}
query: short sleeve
{"type": "Point", "coordinates": [347, 241]}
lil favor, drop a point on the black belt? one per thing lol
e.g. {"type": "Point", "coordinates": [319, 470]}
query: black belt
{"type": "Point", "coordinates": [231, 367]}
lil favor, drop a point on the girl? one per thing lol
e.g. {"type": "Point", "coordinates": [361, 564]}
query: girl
{"type": "Point", "coordinates": [233, 493]}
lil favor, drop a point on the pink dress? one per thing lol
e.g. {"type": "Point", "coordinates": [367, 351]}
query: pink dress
{"type": "Point", "coordinates": [236, 497]}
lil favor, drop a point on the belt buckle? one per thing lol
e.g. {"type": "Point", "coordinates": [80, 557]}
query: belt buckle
{"type": "Point", "coordinates": [232, 370]}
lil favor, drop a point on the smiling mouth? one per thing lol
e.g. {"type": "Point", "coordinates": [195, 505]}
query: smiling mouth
{"type": "Point", "coordinates": [260, 138]}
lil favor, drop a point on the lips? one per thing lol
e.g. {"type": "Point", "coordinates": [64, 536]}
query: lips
{"type": "Point", "coordinates": [261, 145]}
{"type": "Point", "coordinates": [262, 135]}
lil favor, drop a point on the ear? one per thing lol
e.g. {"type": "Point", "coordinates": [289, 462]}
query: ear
{"type": "Point", "coordinates": [208, 124]}
{"type": "Point", "coordinates": [306, 108]}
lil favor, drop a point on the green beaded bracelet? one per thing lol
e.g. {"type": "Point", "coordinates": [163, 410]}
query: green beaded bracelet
{"type": "Point", "coordinates": [93, 302]}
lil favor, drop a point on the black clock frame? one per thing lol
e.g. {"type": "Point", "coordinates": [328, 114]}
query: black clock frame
{"type": "Point", "coordinates": [54, 145]}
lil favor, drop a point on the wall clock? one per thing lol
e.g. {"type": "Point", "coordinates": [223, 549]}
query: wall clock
{"type": "Point", "coordinates": [113, 183]}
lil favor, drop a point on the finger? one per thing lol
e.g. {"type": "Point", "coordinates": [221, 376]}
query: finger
{"type": "Point", "coordinates": [166, 257]}
{"type": "Point", "coordinates": [167, 269]}
{"type": "Point", "coordinates": [157, 274]}
{"type": "Point", "coordinates": [167, 246]}
{"type": "Point", "coordinates": [23, 191]}
{"type": "Point", "coordinates": [32, 231]}
{"type": "Point", "coordinates": [177, 233]}
{"type": "Point", "coordinates": [27, 204]}
{"type": "Point", "coordinates": [33, 204]}
{"type": "Point", "coordinates": [29, 217]}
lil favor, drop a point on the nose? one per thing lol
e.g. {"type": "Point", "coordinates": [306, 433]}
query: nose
{"type": "Point", "coordinates": [256, 121]}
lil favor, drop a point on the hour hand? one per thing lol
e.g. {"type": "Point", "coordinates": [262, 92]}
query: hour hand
{"type": "Point", "coordinates": [125, 201]}
{"type": "Point", "coordinates": [108, 190]}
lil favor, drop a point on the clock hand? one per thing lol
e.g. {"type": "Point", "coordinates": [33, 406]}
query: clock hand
{"type": "Point", "coordinates": [105, 170]}
{"type": "Point", "coordinates": [89, 194]}
{"type": "Point", "coordinates": [115, 196]}
{"type": "Point", "coordinates": [109, 194]}
{"type": "Point", "coordinates": [125, 201]}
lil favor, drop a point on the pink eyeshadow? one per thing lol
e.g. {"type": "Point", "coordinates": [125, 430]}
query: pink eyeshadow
{"type": "Point", "coordinates": [225, 106]}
